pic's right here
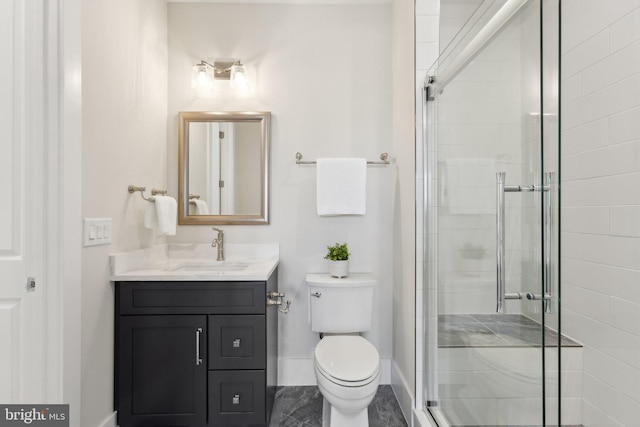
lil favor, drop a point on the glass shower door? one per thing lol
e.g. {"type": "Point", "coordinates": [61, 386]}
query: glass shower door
{"type": "Point", "coordinates": [494, 239]}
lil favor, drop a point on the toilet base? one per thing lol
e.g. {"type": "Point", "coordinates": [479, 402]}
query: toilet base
{"type": "Point", "coordinates": [332, 417]}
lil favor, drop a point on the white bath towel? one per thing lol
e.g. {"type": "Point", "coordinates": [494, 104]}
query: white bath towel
{"type": "Point", "coordinates": [201, 207]}
{"type": "Point", "coordinates": [161, 215]}
{"type": "Point", "coordinates": [341, 185]}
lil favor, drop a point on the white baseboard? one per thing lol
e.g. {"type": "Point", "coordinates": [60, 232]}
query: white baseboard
{"type": "Point", "coordinates": [299, 371]}
{"type": "Point", "coordinates": [296, 371]}
{"type": "Point", "coordinates": [404, 393]}
{"type": "Point", "coordinates": [110, 421]}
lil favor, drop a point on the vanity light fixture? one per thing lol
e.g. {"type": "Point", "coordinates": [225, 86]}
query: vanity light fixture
{"type": "Point", "coordinates": [205, 73]}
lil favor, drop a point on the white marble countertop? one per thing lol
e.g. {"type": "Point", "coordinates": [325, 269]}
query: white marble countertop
{"type": "Point", "coordinates": [196, 262]}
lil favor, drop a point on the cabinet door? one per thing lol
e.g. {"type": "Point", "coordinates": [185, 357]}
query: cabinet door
{"type": "Point", "coordinates": [162, 371]}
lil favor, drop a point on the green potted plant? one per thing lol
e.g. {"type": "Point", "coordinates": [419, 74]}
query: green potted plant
{"type": "Point", "coordinates": [338, 256]}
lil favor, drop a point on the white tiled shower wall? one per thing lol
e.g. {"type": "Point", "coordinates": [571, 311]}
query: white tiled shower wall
{"type": "Point", "coordinates": [601, 202]}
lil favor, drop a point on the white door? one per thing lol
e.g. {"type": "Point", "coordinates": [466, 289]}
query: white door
{"type": "Point", "coordinates": [213, 167]}
{"type": "Point", "coordinates": [227, 171]}
{"type": "Point", "coordinates": [22, 347]}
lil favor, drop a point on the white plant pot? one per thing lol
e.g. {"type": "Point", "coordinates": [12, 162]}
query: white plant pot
{"type": "Point", "coordinates": [339, 268]}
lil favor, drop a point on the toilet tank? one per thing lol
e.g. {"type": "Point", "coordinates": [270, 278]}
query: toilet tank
{"type": "Point", "coordinates": [342, 305]}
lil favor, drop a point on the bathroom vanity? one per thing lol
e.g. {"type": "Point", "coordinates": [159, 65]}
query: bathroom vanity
{"type": "Point", "coordinates": [196, 341]}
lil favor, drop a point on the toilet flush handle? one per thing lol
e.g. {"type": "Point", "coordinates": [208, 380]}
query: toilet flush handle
{"type": "Point", "coordinates": [316, 294]}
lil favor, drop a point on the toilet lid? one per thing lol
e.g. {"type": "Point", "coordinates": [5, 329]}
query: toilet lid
{"type": "Point", "coordinates": [347, 358]}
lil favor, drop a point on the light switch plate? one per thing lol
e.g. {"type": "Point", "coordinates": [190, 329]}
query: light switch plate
{"type": "Point", "coordinates": [97, 231]}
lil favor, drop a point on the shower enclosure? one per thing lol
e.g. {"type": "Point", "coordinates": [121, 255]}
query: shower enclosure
{"type": "Point", "coordinates": [493, 352]}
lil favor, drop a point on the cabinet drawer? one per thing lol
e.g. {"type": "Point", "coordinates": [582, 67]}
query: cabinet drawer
{"type": "Point", "coordinates": [237, 342]}
{"type": "Point", "coordinates": [237, 398]}
{"type": "Point", "coordinates": [191, 297]}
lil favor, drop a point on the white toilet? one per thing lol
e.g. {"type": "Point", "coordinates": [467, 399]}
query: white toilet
{"type": "Point", "coordinates": [346, 365]}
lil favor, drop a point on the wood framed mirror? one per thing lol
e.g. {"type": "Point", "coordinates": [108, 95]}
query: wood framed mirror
{"type": "Point", "coordinates": [223, 168]}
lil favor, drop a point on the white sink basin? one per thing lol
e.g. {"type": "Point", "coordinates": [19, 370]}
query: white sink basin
{"type": "Point", "coordinates": [204, 266]}
{"type": "Point", "coordinates": [196, 261]}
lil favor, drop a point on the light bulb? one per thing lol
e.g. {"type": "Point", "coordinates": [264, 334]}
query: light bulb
{"type": "Point", "coordinates": [201, 77]}
{"type": "Point", "coordinates": [239, 78]}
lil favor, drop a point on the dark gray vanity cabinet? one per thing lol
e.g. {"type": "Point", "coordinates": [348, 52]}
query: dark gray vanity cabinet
{"type": "Point", "coordinates": [195, 354]}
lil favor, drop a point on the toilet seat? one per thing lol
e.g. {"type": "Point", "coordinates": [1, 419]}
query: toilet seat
{"type": "Point", "coordinates": [346, 383]}
{"type": "Point", "coordinates": [347, 360]}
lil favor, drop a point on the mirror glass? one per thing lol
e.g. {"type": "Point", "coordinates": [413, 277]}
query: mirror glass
{"type": "Point", "coordinates": [223, 167]}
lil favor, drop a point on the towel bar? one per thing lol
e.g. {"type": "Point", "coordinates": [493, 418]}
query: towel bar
{"type": "Point", "coordinates": [154, 192]}
{"type": "Point", "coordinates": [383, 160]}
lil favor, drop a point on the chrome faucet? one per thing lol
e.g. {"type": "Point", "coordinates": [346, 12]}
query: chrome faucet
{"type": "Point", "coordinates": [219, 242]}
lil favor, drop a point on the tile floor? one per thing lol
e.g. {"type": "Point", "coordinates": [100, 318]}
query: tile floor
{"type": "Point", "coordinates": [301, 406]}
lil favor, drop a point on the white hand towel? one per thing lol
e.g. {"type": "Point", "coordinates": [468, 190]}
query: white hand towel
{"type": "Point", "coordinates": [161, 214]}
{"type": "Point", "coordinates": [151, 217]}
{"type": "Point", "coordinates": [201, 207]}
{"type": "Point", "coordinates": [341, 185]}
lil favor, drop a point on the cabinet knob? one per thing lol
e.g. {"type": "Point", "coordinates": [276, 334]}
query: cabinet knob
{"type": "Point", "coordinates": [236, 399]}
{"type": "Point", "coordinates": [236, 343]}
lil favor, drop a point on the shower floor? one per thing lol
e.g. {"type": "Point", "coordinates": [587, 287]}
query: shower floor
{"type": "Point", "coordinates": [490, 371]}
{"type": "Point", "coordinates": [495, 330]}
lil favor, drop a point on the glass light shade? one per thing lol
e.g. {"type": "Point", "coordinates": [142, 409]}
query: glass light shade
{"type": "Point", "coordinates": [201, 77]}
{"type": "Point", "coordinates": [239, 78]}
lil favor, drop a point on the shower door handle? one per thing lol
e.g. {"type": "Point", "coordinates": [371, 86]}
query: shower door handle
{"type": "Point", "coordinates": [548, 222]}
{"type": "Point", "coordinates": [500, 276]}
{"type": "Point", "coordinates": [501, 188]}
{"type": "Point", "coordinates": [501, 293]}
{"type": "Point", "coordinates": [547, 275]}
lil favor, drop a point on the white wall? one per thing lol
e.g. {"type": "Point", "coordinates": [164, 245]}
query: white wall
{"type": "Point", "coordinates": [124, 61]}
{"type": "Point", "coordinates": [69, 205]}
{"type": "Point", "coordinates": [601, 203]}
{"type": "Point", "coordinates": [324, 72]}
{"type": "Point", "coordinates": [404, 279]}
